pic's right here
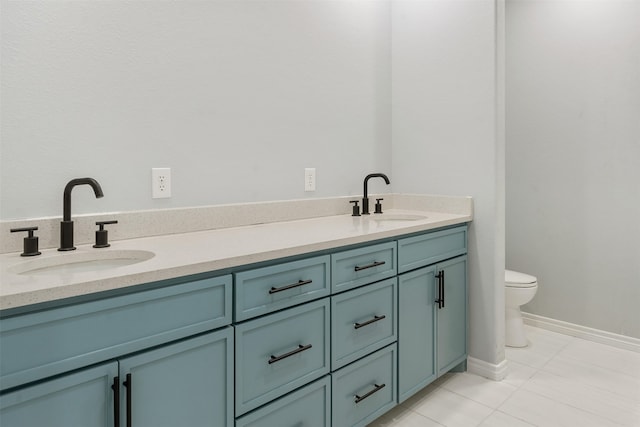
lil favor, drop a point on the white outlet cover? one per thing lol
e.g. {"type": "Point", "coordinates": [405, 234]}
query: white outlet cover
{"type": "Point", "coordinates": [310, 179]}
{"type": "Point", "coordinates": [160, 183]}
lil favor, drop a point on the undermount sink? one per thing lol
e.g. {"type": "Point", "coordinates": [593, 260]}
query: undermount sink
{"type": "Point", "coordinates": [81, 262]}
{"type": "Point", "coordinates": [398, 217]}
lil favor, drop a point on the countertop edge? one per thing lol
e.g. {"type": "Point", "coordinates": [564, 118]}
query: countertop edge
{"type": "Point", "coordinates": [88, 286]}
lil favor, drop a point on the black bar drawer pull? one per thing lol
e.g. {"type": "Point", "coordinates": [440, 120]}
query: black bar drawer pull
{"type": "Point", "coordinates": [442, 294]}
{"type": "Point", "coordinates": [293, 285]}
{"type": "Point", "coordinates": [116, 401]}
{"type": "Point", "coordinates": [364, 267]}
{"type": "Point", "coordinates": [440, 300]}
{"type": "Point", "coordinates": [368, 322]}
{"type": "Point", "coordinates": [300, 349]}
{"type": "Point", "coordinates": [376, 389]}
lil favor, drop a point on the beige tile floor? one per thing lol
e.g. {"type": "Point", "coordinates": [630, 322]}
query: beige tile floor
{"type": "Point", "coordinates": [557, 381]}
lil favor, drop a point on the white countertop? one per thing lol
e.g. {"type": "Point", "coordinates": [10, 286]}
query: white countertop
{"type": "Point", "coordinates": [185, 254]}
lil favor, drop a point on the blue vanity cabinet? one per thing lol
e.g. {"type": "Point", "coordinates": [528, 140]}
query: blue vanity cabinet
{"type": "Point", "coordinates": [334, 339]}
{"type": "Point", "coordinates": [432, 294]}
{"type": "Point", "coordinates": [84, 398]}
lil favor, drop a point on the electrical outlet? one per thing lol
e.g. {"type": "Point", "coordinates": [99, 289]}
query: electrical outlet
{"type": "Point", "coordinates": [310, 179]}
{"type": "Point", "coordinates": [160, 183]}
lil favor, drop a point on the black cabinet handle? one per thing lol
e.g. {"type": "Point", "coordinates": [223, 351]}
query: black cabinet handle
{"type": "Point", "coordinates": [273, 290]}
{"type": "Point", "coordinates": [376, 389]}
{"type": "Point", "coordinates": [442, 294]}
{"type": "Point", "coordinates": [368, 322]}
{"type": "Point", "coordinates": [440, 299]}
{"type": "Point", "coordinates": [364, 267]}
{"type": "Point", "coordinates": [116, 401]}
{"type": "Point", "coordinates": [129, 385]}
{"type": "Point", "coordinates": [300, 349]}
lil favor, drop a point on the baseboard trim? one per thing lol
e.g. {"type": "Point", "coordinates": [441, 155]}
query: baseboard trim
{"type": "Point", "coordinates": [590, 334]}
{"type": "Point", "coordinates": [488, 370]}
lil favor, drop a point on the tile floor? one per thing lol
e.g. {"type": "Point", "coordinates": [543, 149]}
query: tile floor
{"type": "Point", "coordinates": [557, 381]}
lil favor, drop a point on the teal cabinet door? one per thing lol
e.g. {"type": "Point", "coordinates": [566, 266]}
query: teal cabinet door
{"type": "Point", "coordinates": [416, 357]}
{"type": "Point", "coordinates": [452, 314]}
{"type": "Point", "coordinates": [81, 399]}
{"type": "Point", "coordinates": [184, 384]}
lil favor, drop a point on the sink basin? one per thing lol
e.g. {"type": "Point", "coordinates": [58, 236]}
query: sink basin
{"type": "Point", "coordinates": [81, 262]}
{"type": "Point", "coordinates": [398, 217]}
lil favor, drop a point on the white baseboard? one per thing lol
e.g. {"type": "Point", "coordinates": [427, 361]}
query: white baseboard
{"type": "Point", "coordinates": [488, 370]}
{"type": "Point", "coordinates": [590, 334]}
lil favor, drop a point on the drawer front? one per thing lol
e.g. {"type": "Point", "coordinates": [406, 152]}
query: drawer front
{"type": "Point", "coordinates": [278, 353]}
{"type": "Point", "coordinates": [267, 289]}
{"type": "Point", "coordinates": [310, 407]}
{"type": "Point", "coordinates": [88, 333]}
{"type": "Point", "coordinates": [363, 391]}
{"type": "Point", "coordinates": [419, 251]}
{"type": "Point", "coordinates": [358, 267]}
{"type": "Point", "coordinates": [363, 320]}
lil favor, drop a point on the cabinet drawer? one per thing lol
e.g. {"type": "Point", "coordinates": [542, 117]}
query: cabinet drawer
{"type": "Point", "coordinates": [419, 251]}
{"type": "Point", "coordinates": [280, 352]}
{"type": "Point", "coordinates": [357, 267]}
{"type": "Point", "coordinates": [268, 289]}
{"type": "Point", "coordinates": [362, 321]}
{"type": "Point", "coordinates": [310, 406]}
{"type": "Point", "coordinates": [363, 391]}
{"type": "Point", "coordinates": [88, 333]}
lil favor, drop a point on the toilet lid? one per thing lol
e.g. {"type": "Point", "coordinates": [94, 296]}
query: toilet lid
{"type": "Point", "coordinates": [519, 280]}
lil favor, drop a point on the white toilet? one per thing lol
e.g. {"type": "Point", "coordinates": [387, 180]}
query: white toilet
{"type": "Point", "coordinates": [520, 288]}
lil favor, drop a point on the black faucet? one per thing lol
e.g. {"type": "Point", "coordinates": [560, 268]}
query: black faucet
{"type": "Point", "coordinates": [365, 198]}
{"type": "Point", "coordinates": [66, 226]}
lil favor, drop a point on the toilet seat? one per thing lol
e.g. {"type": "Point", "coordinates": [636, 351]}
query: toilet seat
{"type": "Point", "coordinates": [514, 279]}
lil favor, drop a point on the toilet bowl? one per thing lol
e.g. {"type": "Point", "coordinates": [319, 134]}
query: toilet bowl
{"type": "Point", "coordinates": [520, 288]}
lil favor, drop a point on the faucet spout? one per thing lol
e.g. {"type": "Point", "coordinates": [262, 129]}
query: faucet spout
{"type": "Point", "coordinates": [66, 226]}
{"type": "Point", "coordinates": [365, 194]}
{"type": "Point", "coordinates": [66, 208]}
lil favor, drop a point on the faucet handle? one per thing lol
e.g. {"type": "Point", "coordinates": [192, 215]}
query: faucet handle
{"type": "Point", "coordinates": [378, 206]}
{"type": "Point", "coordinates": [102, 237]}
{"type": "Point", "coordinates": [30, 244]}
{"type": "Point", "coordinates": [356, 208]}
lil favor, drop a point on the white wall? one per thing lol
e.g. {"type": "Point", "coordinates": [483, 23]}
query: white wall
{"type": "Point", "coordinates": [236, 96]}
{"type": "Point", "coordinates": [573, 158]}
{"type": "Point", "coordinates": [447, 138]}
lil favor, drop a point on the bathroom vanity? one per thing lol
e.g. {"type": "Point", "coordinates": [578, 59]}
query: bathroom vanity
{"type": "Point", "coordinates": [333, 330]}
